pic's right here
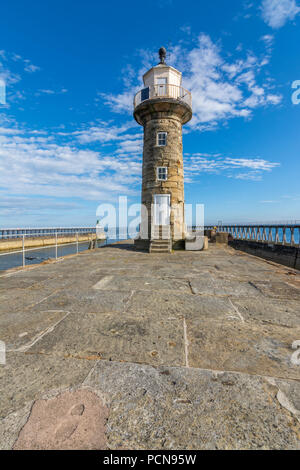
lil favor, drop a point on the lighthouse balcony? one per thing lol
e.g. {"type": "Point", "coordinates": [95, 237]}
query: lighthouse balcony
{"type": "Point", "coordinates": [163, 91]}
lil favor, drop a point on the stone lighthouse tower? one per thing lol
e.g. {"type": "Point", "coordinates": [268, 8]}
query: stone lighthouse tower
{"type": "Point", "coordinates": [162, 107]}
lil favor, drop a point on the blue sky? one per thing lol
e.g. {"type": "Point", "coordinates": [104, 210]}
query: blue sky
{"type": "Point", "coordinates": [68, 141]}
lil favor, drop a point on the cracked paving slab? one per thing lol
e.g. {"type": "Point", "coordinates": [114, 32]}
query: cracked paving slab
{"type": "Point", "coordinates": [179, 408]}
{"type": "Point", "coordinates": [22, 328]}
{"type": "Point", "coordinates": [264, 310]}
{"type": "Point", "coordinates": [279, 290]}
{"type": "Point", "coordinates": [118, 338]}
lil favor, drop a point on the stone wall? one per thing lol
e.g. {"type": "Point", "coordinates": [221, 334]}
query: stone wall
{"type": "Point", "coordinates": [286, 255]}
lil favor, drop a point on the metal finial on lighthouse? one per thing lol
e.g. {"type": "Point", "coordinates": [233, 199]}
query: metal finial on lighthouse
{"type": "Point", "coordinates": [162, 55]}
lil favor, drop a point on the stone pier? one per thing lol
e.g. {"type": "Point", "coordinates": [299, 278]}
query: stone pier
{"type": "Point", "coordinates": [117, 349]}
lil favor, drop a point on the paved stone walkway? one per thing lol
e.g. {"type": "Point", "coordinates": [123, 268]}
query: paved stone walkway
{"type": "Point", "coordinates": [189, 350]}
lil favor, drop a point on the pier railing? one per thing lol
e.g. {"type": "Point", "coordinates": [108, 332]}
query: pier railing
{"type": "Point", "coordinates": [286, 235]}
{"type": "Point", "coordinates": [20, 244]}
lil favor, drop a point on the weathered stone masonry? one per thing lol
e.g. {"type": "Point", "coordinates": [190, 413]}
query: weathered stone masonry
{"type": "Point", "coordinates": [170, 157]}
{"type": "Point", "coordinates": [165, 115]}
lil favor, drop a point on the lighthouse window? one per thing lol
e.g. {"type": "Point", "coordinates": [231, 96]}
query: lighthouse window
{"type": "Point", "coordinates": [162, 173]}
{"type": "Point", "coordinates": [162, 139]}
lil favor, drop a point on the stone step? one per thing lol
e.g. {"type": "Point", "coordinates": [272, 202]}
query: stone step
{"type": "Point", "coordinates": [161, 231]}
{"type": "Point", "coordinates": [164, 236]}
{"type": "Point", "coordinates": [160, 250]}
{"type": "Point", "coordinates": [159, 234]}
{"type": "Point", "coordinates": [160, 246]}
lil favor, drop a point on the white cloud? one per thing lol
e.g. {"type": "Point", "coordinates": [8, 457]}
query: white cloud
{"type": "Point", "coordinates": [130, 146]}
{"type": "Point", "coordinates": [269, 202]}
{"type": "Point", "coordinates": [31, 68]}
{"type": "Point", "coordinates": [222, 89]}
{"type": "Point", "coordinates": [277, 12]}
{"type": "Point", "coordinates": [250, 176]}
{"type": "Point", "coordinates": [35, 165]}
{"type": "Point", "coordinates": [104, 132]}
{"type": "Point", "coordinates": [28, 66]}
{"type": "Point", "coordinates": [196, 164]}
{"type": "Point", "coordinates": [132, 78]}
{"type": "Point", "coordinates": [268, 39]}
{"type": "Point", "coordinates": [10, 78]}
{"type": "Point", "coordinates": [48, 91]}
{"type": "Point", "coordinates": [119, 103]}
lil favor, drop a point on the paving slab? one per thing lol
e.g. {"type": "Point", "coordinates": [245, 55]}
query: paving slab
{"type": "Point", "coordinates": [85, 300]}
{"type": "Point", "coordinates": [265, 310]}
{"type": "Point", "coordinates": [27, 377]}
{"type": "Point", "coordinates": [148, 283]}
{"type": "Point", "coordinates": [17, 300]}
{"type": "Point", "coordinates": [278, 290]}
{"type": "Point", "coordinates": [126, 337]}
{"type": "Point", "coordinates": [184, 408]}
{"type": "Point", "coordinates": [176, 305]}
{"type": "Point", "coordinates": [220, 287]}
{"type": "Point", "coordinates": [71, 420]}
{"type": "Point", "coordinates": [242, 346]}
{"type": "Point", "coordinates": [24, 327]}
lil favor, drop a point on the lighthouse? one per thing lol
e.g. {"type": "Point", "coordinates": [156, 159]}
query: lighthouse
{"type": "Point", "coordinates": [162, 107]}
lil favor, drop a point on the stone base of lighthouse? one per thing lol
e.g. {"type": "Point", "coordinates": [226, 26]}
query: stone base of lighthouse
{"type": "Point", "coordinates": [162, 215]}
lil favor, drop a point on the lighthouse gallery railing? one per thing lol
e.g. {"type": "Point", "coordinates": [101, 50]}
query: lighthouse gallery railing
{"type": "Point", "coordinates": [163, 91]}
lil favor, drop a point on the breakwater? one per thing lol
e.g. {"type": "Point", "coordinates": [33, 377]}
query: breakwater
{"type": "Point", "coordinates": [10, 233]}
{"type": "Point", "coordinates": [8, 244]}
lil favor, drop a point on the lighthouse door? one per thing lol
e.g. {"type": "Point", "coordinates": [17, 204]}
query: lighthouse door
{"type": "Point", "coordinates": [161, 86]}
{"type": "Point", "coordinates": [162, 209]}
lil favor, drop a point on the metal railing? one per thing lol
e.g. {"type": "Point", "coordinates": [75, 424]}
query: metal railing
{"type": "Point", "coordinates": [276, 234]}
{"type": "Point", "coordinates": [59, 239]}
{"type": "Point", "coordinates": [163, 91]}
{"type": "Point", "coordinates": [6, 233]}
